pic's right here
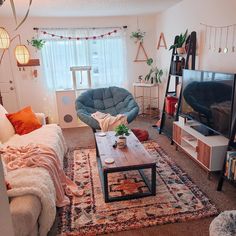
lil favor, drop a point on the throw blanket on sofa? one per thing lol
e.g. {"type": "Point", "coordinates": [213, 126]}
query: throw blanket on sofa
{"type": "Point", "coordinates": [108, 122]}
{"type": "Point", "coordinates": [34, 155]}
{"type": "Point", "coordinates": [36, 181]}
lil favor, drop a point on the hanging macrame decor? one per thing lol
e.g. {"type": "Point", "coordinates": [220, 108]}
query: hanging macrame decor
{"type": "Point", "coordinates": [220, 39]}
{"type": "Point", "coordinates": [161, 39]}
{"type": "Point", "coordinates": [138, 36]}
{"type": "Point", "coordinates": [141, 55]}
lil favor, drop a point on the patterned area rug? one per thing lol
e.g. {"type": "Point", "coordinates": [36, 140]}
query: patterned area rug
{"type": "Point", "coordinates": [177, 198]}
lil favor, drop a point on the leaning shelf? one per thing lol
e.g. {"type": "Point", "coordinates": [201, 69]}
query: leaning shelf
{"type": "Point", "coordinates": [178, 62]}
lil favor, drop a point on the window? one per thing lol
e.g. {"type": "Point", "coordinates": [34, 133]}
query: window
{"type": "Point", "coordinates": [106, 56]}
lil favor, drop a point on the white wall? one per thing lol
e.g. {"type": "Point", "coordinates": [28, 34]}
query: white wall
{"type": "Point", "coordinates": [188, 14]}
{"type": "Point", "coordinates": [32, 91]}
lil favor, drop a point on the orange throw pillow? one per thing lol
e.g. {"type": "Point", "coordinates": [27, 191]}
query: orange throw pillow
{"type": "Point", "coordinates": [24, 121]}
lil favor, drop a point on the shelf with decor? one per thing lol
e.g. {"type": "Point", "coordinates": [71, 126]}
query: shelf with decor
{"type": "Point", "coordinates": [228, 171]}
{"type": "Point", "coordinates": [147, 99]}
{"type": "Point", "coordinates": [172, 98]}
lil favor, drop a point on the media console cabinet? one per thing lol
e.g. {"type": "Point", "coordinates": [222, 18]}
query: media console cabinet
{"type": "Point", "coordinates": [208, 151]}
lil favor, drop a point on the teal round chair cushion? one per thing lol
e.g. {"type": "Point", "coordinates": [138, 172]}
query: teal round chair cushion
{"type": "Point", "coordinates": [112, 100]}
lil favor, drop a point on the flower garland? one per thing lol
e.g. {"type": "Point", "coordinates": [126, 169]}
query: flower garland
{"type": "Point", "coordinates": [77, 38]}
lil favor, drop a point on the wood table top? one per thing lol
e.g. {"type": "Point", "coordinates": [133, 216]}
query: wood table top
{"type": "Point", "coordinates": [133, 155]}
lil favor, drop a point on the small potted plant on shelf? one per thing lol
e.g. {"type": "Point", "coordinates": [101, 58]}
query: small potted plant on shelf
{"type": "Point", "coordinates": [154, 74]}
{"type": "Point", "coordinates": [122, 130]}
{"type": "Point", "coordinates": [138, 35]}
{"type": "Point", "coordinates": [179, 45]}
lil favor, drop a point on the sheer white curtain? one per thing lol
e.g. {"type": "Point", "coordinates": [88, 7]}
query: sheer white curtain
{"type": "Point", "coordinates": [106, 56]}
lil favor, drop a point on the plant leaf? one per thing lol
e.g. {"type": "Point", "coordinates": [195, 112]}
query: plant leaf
{"type": "Point", "coordinates": [13, 10]}
{"type": "Point", "coordinates": [26, 15]}
{"type": "Point", "coordinates": [149, 61]}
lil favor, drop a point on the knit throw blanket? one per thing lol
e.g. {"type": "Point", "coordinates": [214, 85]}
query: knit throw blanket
{"type": "Point", "coordinates": [108, 122]}
{"type": "Point", "coordinates": [33, 156]}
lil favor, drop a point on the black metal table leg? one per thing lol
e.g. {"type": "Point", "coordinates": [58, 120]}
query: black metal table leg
{"type": "Point", "coordinates": [154, 180]}
{"type": "Point", "coordinates": [105, 183]}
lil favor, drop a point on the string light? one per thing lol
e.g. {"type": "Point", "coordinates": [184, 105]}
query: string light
{"type": "Point", "coordinates": [94, 37]}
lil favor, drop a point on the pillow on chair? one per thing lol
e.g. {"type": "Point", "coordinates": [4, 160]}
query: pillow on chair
{"type": "Point", "coordinates": [6, 128]}
{"type": "Point", "coordinates": [24, 121]}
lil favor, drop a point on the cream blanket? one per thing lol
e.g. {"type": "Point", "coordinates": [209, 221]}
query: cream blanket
{"type": "Point", "coordinates": [108, 122]}
{"type": "Point", "coordinates": [37, 181]}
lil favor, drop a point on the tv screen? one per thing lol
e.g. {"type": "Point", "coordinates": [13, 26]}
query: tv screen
{"type": "Point", "coordinates": [207, 97]}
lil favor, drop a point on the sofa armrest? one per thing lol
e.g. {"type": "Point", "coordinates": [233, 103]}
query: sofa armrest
{"type": "Point", "coordinates": [25, 211]}
{"type": "Point", "coordinates": [41, 117]}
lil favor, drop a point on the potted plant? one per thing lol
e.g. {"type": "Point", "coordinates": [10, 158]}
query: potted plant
{"type": "Point", "coordinates": [37, 43]}
{"type": "Point", "coordinates": [122, 130]}
{"type": "Point", "coordinates": [137, 35]}
{"type": "Point", "coordinates": [180, 42]}
{"type": "Point", "coordinates": [154, 74]}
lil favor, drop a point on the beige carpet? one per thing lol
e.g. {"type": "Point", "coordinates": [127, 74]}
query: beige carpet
{"type": "Point", "coordinates": [225, 200]}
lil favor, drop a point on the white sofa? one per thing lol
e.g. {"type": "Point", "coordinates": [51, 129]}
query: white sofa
{"type": "Point", "coordinates": [28, 210]}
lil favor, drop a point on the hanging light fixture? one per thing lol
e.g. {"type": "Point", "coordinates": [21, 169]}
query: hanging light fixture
{"type": "Point", "coordinates": [22, 54]}
{"type": "Point", "coordinates": [4, 39]}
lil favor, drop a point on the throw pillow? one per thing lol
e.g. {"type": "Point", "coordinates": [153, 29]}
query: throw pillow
{"type": "Point", "coordinates": [141, 134]}
{"type": "Point", "coordinates": [6, 128]}
{"type": "Point", "coordinates": [24, 121]}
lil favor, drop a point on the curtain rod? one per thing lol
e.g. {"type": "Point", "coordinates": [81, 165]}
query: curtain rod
{"type": "Point", "coordinates": [113, 27]}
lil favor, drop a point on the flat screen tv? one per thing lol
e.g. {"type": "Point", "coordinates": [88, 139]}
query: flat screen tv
{"type": "Point", "coordinates": [208, 97]}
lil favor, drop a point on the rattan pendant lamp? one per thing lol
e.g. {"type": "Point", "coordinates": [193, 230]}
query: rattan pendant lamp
{"type": "Point", "coordinates": [21, 52]}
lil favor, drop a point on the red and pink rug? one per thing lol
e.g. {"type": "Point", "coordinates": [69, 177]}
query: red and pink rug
{"type": "Point", "coordinates": [177, 198]}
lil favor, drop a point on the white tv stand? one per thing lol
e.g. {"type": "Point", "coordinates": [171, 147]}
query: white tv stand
{"type": "Point", "coordinates": [207, 151]}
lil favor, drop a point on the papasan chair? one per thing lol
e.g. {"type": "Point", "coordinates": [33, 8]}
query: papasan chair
{"type": "Point", "coordinates": [112, 100]}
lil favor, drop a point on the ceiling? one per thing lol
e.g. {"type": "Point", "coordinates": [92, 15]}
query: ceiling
{"type": "Point", "coordinates": [76, 8]}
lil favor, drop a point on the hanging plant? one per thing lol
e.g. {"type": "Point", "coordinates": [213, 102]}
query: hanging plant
{"type": "Point", "coordinates": [154, 74]}
{"type": "Point", "coordinates": [37, 43]}
{"type": "Point", "coordinates": [138, 35]}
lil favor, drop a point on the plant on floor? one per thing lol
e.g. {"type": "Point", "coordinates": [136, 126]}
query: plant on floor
{"type": "Point", "coordinates": [37, 43]}
{"type": "Point", "coordinates": [180, 42]}
{"type": "Point", "coordinates": [122, 130]}
{"type": "Point", "coordinates": [138, 35]}
{"type": "Point", "coordinates": [154, 74]}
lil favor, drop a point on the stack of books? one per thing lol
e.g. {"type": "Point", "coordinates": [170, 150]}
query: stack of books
{"type": "Point", "coordinates": [230, 168]}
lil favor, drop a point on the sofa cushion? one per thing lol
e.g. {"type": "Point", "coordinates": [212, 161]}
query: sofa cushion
{"type": "Point", "coordinates": [24, 121]}
{"type": "Point", "coordinates": [6, 128]}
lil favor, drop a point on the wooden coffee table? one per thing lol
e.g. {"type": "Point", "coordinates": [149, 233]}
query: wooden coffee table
{"type": "Point", "coordinates": [133, 157]}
